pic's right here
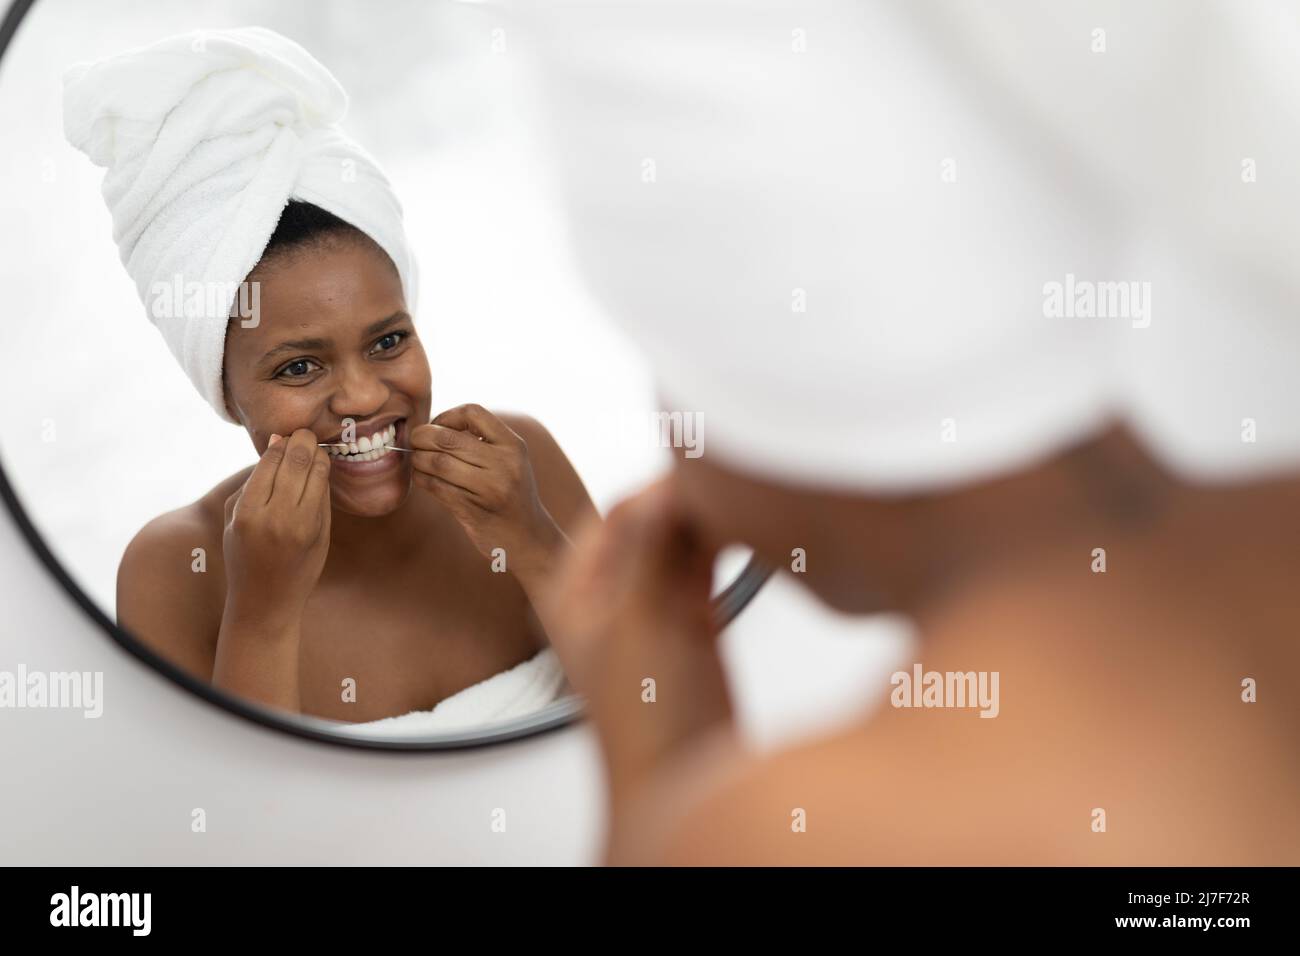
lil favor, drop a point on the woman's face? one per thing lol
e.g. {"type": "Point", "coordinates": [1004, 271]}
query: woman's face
{"type": "Point", "coordinates": [332, 344]}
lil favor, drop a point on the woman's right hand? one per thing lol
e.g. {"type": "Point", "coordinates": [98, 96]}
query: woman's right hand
{"type": "Point", "coordinates": [277, 530]}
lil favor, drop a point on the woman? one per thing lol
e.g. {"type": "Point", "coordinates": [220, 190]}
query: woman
{"type": "Point", "coordinates": [325, 566]}
{"type": "Point", "coordinates": [373, 562]}
{"type": "Point", "coordinates": [1098, 507]}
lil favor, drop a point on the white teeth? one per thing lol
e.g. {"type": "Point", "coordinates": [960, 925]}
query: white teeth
{"type": "Point", "coordinates": [366, 448]}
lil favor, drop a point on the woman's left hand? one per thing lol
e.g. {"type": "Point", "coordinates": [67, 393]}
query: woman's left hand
{"type": "Point", "coordinates": [478, 467]}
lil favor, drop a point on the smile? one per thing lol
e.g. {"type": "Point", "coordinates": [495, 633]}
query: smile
{"type": "Point", "coordinates": [366, 448]}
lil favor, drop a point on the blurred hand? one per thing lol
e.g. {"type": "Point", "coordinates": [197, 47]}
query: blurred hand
{"type": "Point", "coordinates": [631, 605]}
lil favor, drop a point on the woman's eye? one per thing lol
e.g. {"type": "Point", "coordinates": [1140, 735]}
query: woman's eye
{"type": "Point", "coordinates": [297, 368]}
{"type": "Point", "coordinates": [389, 342]}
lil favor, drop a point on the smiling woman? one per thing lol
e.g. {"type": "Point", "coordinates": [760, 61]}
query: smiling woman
{"type": "Point", "coordinates": [353, 584]}
{"type": "Point", "coordinates": [334, 545]}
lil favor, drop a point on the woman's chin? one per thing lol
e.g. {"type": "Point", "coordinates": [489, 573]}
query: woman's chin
{"type": "Point", "coordinates": [369, 500]}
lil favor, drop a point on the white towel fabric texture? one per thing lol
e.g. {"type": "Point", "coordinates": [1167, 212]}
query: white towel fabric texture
{"type": "Point", "coordinates": [897, 248]}
{"type": "Point", "coordinates": [518, 692]}
{"type": "Point", "coordinates": [204, 138]}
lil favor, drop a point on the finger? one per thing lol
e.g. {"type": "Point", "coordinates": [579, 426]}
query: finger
{"type": "Point", "coordinates": [673, 540]}
{"type": "Point", "coordinates": [585, 579]}
{"type": "Point", "coordinates": [318, 480]}
{"type": "Point", "coordinates": [678, 541]}
{"type": "Point", "coordinates": [469, 478]}
{"type": "Point", "coordinates": [452, 496]}
{"type": "Point", "coordinates": [611, 547]}
{"type": "Point", "coordinates": [680, 561]}
{"type": "Point", "coordinates": [619, 550]}
{"type": "Point", "coordinates": [598, 550]}
{"type": "Point", "coordinates": [327, 512]}
{"type": "Point", "coordinates": [687, 564]}
{"type": "Point", "coordinates": [668, 560]}
{"type": "Point", "coordinates": [231, 501]}
{"type": "Point", "coordinates": [462, 444]}
{"type": "Point", "coordinates": [452, 471]}
{"type": "Point", "coordinates": [291, 478]}
{"type": "Point", "coordinates": [257, 489]}
{"type": "Point", "coordinates": [479, 421]}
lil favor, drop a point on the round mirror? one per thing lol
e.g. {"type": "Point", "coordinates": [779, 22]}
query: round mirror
{"type": "Point", "coordinates": [337, 514]}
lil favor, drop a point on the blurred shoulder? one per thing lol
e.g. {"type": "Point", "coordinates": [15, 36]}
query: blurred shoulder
{"type": "Point", "coordinates": [896, 788]}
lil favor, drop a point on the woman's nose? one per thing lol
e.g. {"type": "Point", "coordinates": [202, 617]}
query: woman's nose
{"type": "Point", "coordinates": [359, 389]}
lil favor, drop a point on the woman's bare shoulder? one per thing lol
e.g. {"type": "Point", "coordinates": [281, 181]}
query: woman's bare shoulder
{"type": "Point", "coordinates": [852, 798]}
{"type": "Point", "coordinates": [171, 580]}
{"type": "Point", "coordinates": [198, 523]}
{"type": "Point", "coordinates": [558, 482]}
{"type": "Point", "coordinates": [1058, 773]}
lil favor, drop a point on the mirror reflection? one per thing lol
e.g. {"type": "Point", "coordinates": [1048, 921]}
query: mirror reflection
{"type": "Point", "coordinates": [321, 404]}
{"type": "Point", "coordinates": [377, 543]}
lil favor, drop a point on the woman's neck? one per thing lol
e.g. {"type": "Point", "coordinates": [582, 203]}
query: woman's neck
{"type": "Point", "coordinates": [373, 540]}
{"type": "Point", "coordinates": [1073, 510]}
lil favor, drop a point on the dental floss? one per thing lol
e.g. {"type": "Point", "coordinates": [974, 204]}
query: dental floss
{"type": "Point", "coordinates": [339, 444]}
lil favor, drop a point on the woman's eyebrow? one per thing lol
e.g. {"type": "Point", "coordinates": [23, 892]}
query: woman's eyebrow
{"type": "Point", "coordinates": [311, 345]}
{"type": "Point", "coordinates": [375, 328]}
{"type": "Point", "coordinates": [298, 345]}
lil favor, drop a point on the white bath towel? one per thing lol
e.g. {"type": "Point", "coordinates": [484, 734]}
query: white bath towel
{"type": "Point", "coordinates": [204, 138]}
{"type": "Point", "coordinates": [900, 247]}
{"type": "Point", "coordinates": [524, 689]}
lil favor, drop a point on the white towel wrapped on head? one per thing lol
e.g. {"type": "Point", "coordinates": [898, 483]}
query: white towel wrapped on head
{"type": "Point", "coordinates": [205, 137]}
{"type": "Point", "coordinates": [842, 231]}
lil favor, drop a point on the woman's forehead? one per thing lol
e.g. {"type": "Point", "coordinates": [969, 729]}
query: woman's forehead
{"type": "Point", "coordinates": [328, 277]}
{"type": "Point", "coordinates": [330, 295]}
